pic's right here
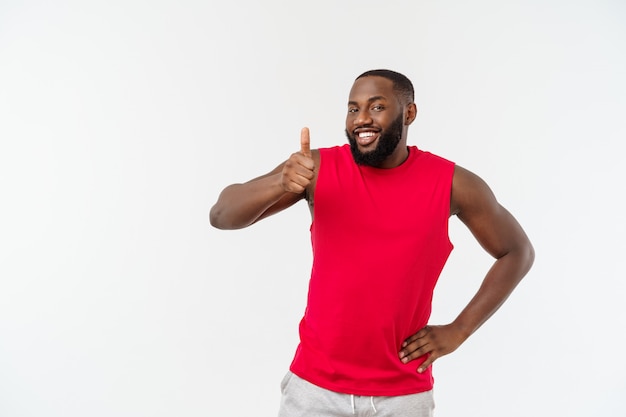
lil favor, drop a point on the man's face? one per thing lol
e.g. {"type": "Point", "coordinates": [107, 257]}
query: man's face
{"type": "Point", "coordinates": [386, 144]}
{"type": "Point", "coordinates": [375, 121]}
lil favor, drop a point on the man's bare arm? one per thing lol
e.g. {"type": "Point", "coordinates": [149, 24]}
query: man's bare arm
{"type": "Point", "coordinates": [240, 205]}
{"type": "Point", "coordinates": [500, 235]}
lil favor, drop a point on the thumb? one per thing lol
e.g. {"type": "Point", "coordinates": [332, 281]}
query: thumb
{"type": "Point", "coordinates": [305, 142]}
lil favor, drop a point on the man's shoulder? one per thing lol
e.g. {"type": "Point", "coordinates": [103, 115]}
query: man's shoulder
{"type": "Point", "coordinates": [335, 152]}
{"type": "Point", "coordinates": [335, 148]}
{"type": "Point", "coordinates": [430, 156]}
{"type": "Point", "coordinates": [431, 161]}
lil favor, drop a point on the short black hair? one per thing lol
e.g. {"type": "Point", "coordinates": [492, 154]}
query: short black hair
{"type": "Point", "coordinates": [401, 84]}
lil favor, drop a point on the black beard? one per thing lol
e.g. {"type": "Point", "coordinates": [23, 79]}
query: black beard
{"type": "Point", "coordinates": [387, 143]}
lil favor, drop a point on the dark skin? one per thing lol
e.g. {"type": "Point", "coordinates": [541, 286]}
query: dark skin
{"type": "Point", "coordinates": [372, 106]}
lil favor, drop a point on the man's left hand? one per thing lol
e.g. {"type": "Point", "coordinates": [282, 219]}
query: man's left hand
{"type": "Point", "coordinates": [433, 341]}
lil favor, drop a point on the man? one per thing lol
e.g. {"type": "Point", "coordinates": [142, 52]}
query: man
{"type": "Point", "coordinates": [380, 211]}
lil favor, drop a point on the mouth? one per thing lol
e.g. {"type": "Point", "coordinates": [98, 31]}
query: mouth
{"type": "Point", "coordinates": [365, 137]}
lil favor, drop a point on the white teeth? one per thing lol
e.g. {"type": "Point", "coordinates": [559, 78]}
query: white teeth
{"type": "Point", "coordinates": [366, 138]}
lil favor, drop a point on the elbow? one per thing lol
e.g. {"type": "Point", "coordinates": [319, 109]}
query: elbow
{"type": "Point", "coordinates": [216, 218]}
{"type": "Point", "coordinates": [520, 259]}
{"type": "Point", "coordinates": [220, 219]}
{"type": "Point", "coordinates": [222, 216]}
{"type": "Point", "coordinates": [527, 257]}
{"type": "Point", "coordinates": [530, 255]}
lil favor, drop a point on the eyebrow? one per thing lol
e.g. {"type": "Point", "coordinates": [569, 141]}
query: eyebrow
{"type": "Point", "coordinates": [369, 100]}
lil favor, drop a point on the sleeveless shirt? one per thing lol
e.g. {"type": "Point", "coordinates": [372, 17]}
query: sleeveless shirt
{"type": "Point", "coordinates": [380, 241]}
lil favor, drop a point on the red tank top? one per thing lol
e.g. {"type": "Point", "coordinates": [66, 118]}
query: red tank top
{"type": "Point", "coordinates": [380, 241]}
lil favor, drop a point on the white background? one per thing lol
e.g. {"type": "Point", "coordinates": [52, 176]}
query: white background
{"type": "Point", "coordinates": [121, 121]}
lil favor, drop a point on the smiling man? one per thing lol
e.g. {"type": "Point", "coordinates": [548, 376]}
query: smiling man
{"type": "Point", "coordinates": [379, 233]}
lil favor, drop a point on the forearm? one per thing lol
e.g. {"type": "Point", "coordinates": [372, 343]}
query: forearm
{"type": "Point", "coordinates": [501, 236]}
{"type": "Point", "coordinates": [498, 284]}
{"type": "Point", "coordinates": [240, 205]}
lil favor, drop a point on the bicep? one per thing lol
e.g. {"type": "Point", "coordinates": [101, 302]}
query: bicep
{"type": "Point", "coordinates": [476, 206]}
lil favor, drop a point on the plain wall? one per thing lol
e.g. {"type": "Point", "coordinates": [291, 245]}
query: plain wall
{"type": "Point", "coordinates": [121, 121]}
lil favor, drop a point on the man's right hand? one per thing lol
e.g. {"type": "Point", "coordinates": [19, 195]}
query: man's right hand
{"type": "Point", "coordinates": [299, 169]}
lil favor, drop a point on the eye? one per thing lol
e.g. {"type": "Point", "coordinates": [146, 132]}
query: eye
{"type": "Point", "coordinates": [378, 107]}
{"type": "Point", "coordinates": [352, 110]}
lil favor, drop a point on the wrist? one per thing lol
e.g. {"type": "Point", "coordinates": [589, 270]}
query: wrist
{"type": "Point", "coordinates": [462, 330]}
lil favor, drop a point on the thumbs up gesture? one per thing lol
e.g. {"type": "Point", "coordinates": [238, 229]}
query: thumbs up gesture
{"type": "Point", "coordinates": [299, 169]}
{"type": "Point", "coordinates": [305, 142]}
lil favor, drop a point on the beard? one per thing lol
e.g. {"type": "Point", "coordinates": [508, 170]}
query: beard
{"type": "Point", "coordinates": [387, 143]}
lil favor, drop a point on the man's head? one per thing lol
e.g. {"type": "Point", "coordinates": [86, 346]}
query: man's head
{"type": "Point", "coordinates": [380, 109]}
{"type": "Point", "coordinates": [401, 84]}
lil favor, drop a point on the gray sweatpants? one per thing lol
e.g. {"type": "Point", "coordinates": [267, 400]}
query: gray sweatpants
{"type": "Point", "coordinates": [303, 399]}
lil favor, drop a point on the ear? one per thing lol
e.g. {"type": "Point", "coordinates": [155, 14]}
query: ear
{"type": "Point", "coordinates": [410, 113]}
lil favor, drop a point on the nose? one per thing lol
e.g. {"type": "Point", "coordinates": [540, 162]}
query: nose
{"type": "Point", "coordinates": [363, 118]}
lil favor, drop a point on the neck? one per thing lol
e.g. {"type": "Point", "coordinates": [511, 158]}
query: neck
{"type": "Point", "coordinates": [398, 157]}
